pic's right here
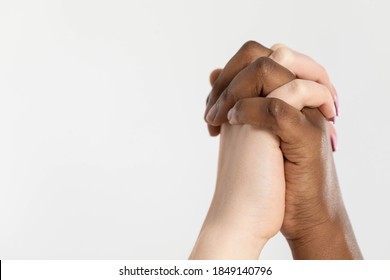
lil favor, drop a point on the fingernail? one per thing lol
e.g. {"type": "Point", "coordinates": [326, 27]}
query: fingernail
{"type": "Point", "coordinates": [229, 115]}
{"type": "Point", "coordinates": [333, 139]}
{"type": "Point", "coordinates": [211, 114]}
{"type": "Point", "coordinates": [332, 119]}
{"type": "Point", "coordinates": [232, 117]}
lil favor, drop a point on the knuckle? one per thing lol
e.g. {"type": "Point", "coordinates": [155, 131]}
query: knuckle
{"type": "Point", "coordinates": [298, 120]}
{"type": "Point", "coordinates": [229, 95]}
{"type": "Point", "coordinates": [277, 46]}
{"type": "Point", "coordinates": [284, 115]}
{"type": "Point", "coordinates": [250, 46]}
{"type": "Point", "coordinates": [263, 65]}
{"type": "Point", "coordinates": [283, 55]}
{"type": "Point", "coordinates": [225, 94]}
{"type": "Point", "coordinates": [238, 111]}
{"type": "Point", "coordinates": [276, 108]}
{"type": "Point", "coordinates": [238, 106]}
{"type": "Point", "coordinates": [252, 50]}
{"type": "Point", "coordinates": [297, 86]}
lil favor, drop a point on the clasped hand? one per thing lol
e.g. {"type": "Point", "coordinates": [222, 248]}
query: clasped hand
{"type": "Point", "coordinates": [274, 110]}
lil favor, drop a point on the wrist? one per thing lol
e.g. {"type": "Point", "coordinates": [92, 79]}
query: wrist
{"type": "Point", "coordinates": [225, 241]}
{"type": "Point", "coordinates": [248, 204]}
{"type": "Point", "coordinates": [250, 183]}
{"type": "Point", "coordinates": [228, 232]}
{"type": "Point", "coordinates": [332, 239]}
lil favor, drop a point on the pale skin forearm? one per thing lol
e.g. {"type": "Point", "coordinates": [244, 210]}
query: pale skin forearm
{"type": "Point", "coordinates": [248, 204]}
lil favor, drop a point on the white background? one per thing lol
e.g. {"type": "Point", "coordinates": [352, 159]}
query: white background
{"type": "Point", "coordinates": [103, 150]}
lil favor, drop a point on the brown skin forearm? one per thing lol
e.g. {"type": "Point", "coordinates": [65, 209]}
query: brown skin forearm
{"type": "Point", "coordinates": [332, 240]}
{"type": "Point", "coordinates": [316, 222]}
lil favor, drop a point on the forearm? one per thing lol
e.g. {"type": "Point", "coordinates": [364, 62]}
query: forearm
{"type": "Point", "coordinates": [248, 204]}
{"type": "Point", "coordinates": [332, 240]}
{"type": "Point", "coordinates": [227, 241]}
{"type": "Point", "coordinates": [331, 236]}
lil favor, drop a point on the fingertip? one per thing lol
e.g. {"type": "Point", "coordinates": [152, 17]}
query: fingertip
{"type": "Point", "coordinates": [229, 115]}
{"type": "Point", "coordinates": [232, 116]}
{"type": "Point", "coordinates": [333, 137]}
{"type": "Point", "coordinates": [213, 130]}
{"type": "Point", "coordinates": [332, 120]}
{"type": "Point", "coordinates": [329, 111]}
{"type": "Point", "coordinates": [334, 143]}
{"type": "Point", "coordinates": [214, 75]}
{"type": "Point", "coordinates": [336, 105]}
{"type": "Point", "coordinates": [211, 114]}
{"type": "Point", "coordinates": [335, 99]}
{"type": "Point", "coordinates": [327, 108]}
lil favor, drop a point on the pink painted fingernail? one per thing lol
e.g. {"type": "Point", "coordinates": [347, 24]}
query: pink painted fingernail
{"type": "Point", "coordinates": [332, 119]}
{"type": "Point", "coordinates": [232, 117]}
{"type": "Point", "coordinates": [336, 101]}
